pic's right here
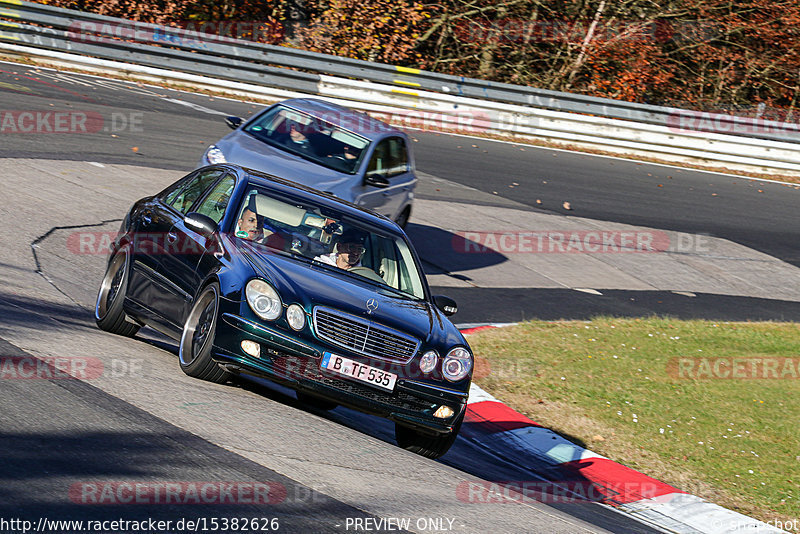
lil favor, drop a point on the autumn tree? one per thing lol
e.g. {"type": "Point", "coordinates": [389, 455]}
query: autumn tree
{"type": "Point", "coordinates": [717, 54]}
{"type": "Point", "coordinates": [377, 30]}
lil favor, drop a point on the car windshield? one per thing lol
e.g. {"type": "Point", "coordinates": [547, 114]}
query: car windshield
{"type": "Point", "coordinates": [310, 137]}
{"type": "Point", "coordinates": [329, 238]}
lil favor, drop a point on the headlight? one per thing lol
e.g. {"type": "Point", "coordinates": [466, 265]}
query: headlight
{"type": "Point", "coordinates": [214, 155]}
{"type": "Point", "coordinates": [428, 361]}
{"type": "Point", "coordinates": [263, 299]}
{"type": "Point", "coordinates": [296, 316]}
{"type": "Point", "coordinates": [457, 364]}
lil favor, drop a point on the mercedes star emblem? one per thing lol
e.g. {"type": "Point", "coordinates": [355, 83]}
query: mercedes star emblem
{"type": "Point", "coordinates": [372, 305]}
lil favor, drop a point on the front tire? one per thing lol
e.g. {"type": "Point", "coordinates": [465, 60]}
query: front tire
{"type": "Point", "coordinates": [429, 446]}
{"type": "Point", "coordinates": [108, 312]}
{"type": "Point", "coordinates": [194, 353]}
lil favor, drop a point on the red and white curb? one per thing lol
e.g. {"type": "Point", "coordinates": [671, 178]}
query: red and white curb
{"type": "Point", "coordinates": [578, 474]}
{"type": "Point", "coordinates": [471, 328]}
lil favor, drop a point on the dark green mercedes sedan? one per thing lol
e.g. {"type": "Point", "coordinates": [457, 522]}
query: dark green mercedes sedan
{"type": "Point", "coordinates": [259, 276]}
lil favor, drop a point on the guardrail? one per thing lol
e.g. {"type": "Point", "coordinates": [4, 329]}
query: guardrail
{"type": "Point", "coordinates": [607, 124]}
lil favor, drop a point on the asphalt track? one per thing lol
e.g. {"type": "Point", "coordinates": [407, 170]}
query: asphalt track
{"type": "Point", "coordinates": [157, 425]}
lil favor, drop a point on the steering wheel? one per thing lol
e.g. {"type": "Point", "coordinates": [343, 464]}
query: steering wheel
{"type": "Point", "coordinates": [366, 272]}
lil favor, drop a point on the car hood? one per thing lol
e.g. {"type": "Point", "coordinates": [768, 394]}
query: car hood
{"type": "Point", "coordinates": [242, 149]}
{"type": "Point", "coordinates": [315, 285]}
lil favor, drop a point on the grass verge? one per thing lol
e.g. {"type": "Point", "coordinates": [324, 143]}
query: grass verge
{"type": "Point", "coordinates": [683, 401]}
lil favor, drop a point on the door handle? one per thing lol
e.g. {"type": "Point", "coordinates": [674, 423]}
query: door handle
{"type": "Point", "coordinates": [147, 218]}
{"type": "Point", "coordinates": [171, 237]}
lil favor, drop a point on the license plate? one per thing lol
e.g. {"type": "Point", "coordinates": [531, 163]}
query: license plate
{"type": "Point", "coordinates": [359, 371]}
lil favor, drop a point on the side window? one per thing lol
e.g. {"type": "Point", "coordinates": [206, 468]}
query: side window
{"type": "Point", "coordinates": [217, 201]}
{"type": "Point", "coordinates": [183, 198]}
{"type": "Point", "coordinates": [390, 158]}
{"type": "Point", "coordinates": [398, 156]}
{"type": "Point", "coordinates": [380, 158]}
{"type": "Point", "coordinates": [169, 195]}
{"type": "Point", "coordinates": [265, 125]}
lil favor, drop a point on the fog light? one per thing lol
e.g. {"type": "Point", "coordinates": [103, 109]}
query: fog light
{"type": "Point", "coordinates": [251, 348]}
{"type": "Point", "coordinates": [443, 412]}
{"type": "Point", "coordinates": [295, 316]}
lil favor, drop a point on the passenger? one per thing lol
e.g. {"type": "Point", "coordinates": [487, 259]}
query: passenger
{"type": "Point", "coordinates": [348, 251]}
{"type": "Point", "coordinates": [347, 158]}
{"type": "Point", "coordinates": [350, 152]}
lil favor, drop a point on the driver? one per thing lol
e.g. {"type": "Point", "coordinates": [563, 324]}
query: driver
{"type": "Point", "coordinates": [248, 224]}
{"type": "Point", "coordinates": [348, 252]}
{"type": "Point", "coordinates": [298, 140]}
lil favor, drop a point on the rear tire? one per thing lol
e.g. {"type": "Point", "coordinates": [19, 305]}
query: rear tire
{"type": "Point", "coordinates": [427, 445]}
{"type": "Point", "coordinates": [108, 312]}
{"type": "Point", "coordinates": [194, 353]}
{"type": "Point", "coordinates": [316, 402]}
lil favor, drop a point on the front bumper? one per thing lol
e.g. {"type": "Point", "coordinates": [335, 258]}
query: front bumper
{"type": "Point", "coordinates": [296, 364]}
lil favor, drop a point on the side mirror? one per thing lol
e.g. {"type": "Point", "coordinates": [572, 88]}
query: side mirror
{"type": "Point", "coordinates": [202, 224]}
{"type": "Point", "coordinates": [376, 179]}
{"type": "Point", "coordinates": [234, 122]}
{"type": "Point", "coordinates": [446, 304]}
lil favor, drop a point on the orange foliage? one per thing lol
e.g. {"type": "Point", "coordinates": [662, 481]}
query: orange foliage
{"type": "Point", "coordinates": [702, 53]}
{"type": "Point", "coordinates": [382, 30]}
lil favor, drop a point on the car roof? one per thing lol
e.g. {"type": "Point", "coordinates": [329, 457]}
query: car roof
{"type": "Point", "coordinates": [312, 195]}
{"type": "Point", "coordinates": [349, 119]}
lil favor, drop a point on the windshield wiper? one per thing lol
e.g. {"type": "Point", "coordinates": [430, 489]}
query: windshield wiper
{"type": "Point", "coordinates": [399, 292]}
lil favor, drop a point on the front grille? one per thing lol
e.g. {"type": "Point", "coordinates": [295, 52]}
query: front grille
{"type": "Point", "coordinates": [364, 336]}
